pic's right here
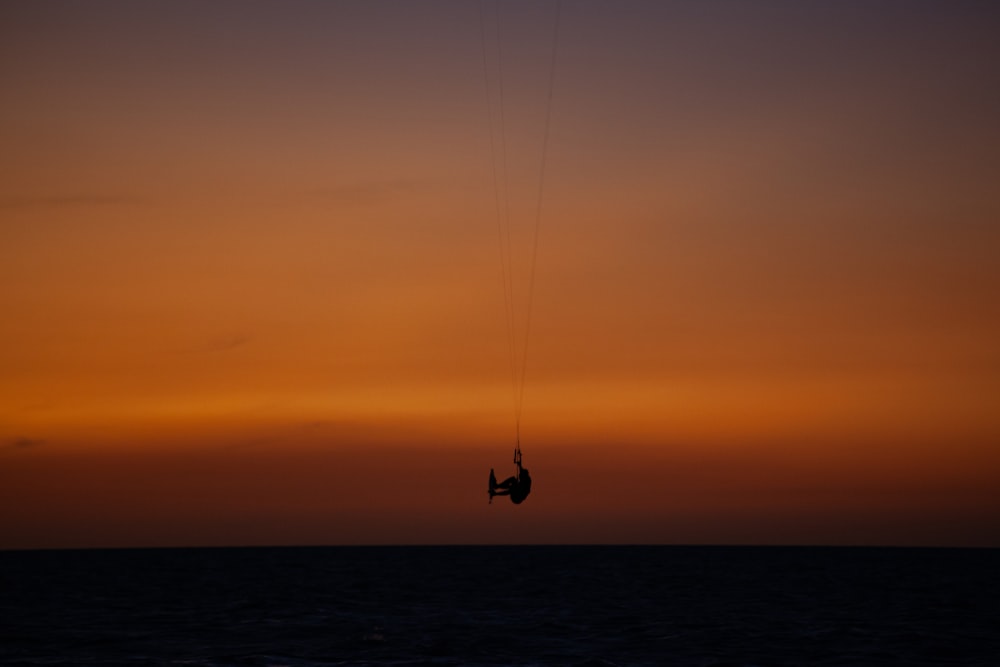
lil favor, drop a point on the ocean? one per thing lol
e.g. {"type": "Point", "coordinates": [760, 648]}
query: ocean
{"type": "Point", "coordinates": [505, 605]}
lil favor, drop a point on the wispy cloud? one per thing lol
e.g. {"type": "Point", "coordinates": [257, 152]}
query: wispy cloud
{"type": "Point", "coordinates": [228, 342]}
{"type": "Point", "coordinates": [366, 194]}
{"type": "Point", "coordinates": [24, 443]}
{"type": "Point", "coordinates": [15, 202]}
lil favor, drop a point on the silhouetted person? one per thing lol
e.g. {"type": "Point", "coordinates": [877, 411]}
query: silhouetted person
{"type": "Point", "coordinates": [517, 487]}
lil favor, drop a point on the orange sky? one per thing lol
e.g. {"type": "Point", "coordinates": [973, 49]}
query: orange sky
{"type": "Point", "coordinates": [250, 287]}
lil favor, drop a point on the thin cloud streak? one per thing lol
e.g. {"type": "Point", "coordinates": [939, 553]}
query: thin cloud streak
{"type": "Point", "coordinates": [64, 201]}
{"type": "Point", "coordinates": [25, 443]}
{"type": "Point", "coordinates": [366, 194]}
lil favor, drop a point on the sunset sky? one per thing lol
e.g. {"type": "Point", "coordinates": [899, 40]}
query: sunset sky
{"type": "Point", "coordinates": [250, 289]}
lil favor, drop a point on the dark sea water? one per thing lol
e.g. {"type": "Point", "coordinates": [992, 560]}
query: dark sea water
{"type": "Point", "coordinates": [501, 606]}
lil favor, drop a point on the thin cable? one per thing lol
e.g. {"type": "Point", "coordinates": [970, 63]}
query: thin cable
{"type": "Point", "coordinates": [505, 268]}
{"type": "Point", "coordinates": [538, 215]}
{"type": "Point", "coordinates": [518, 380]}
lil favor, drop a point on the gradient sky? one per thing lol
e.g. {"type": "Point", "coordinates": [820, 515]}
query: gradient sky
{"type": "Point", "coordinates": [250, 290]}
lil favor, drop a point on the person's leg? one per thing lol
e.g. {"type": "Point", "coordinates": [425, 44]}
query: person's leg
{"type": "Point", "coordinates": [507, 483]}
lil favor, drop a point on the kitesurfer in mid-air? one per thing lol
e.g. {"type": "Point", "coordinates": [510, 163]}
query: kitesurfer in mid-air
{"type": "Point", "coordinates": [517, 487]}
